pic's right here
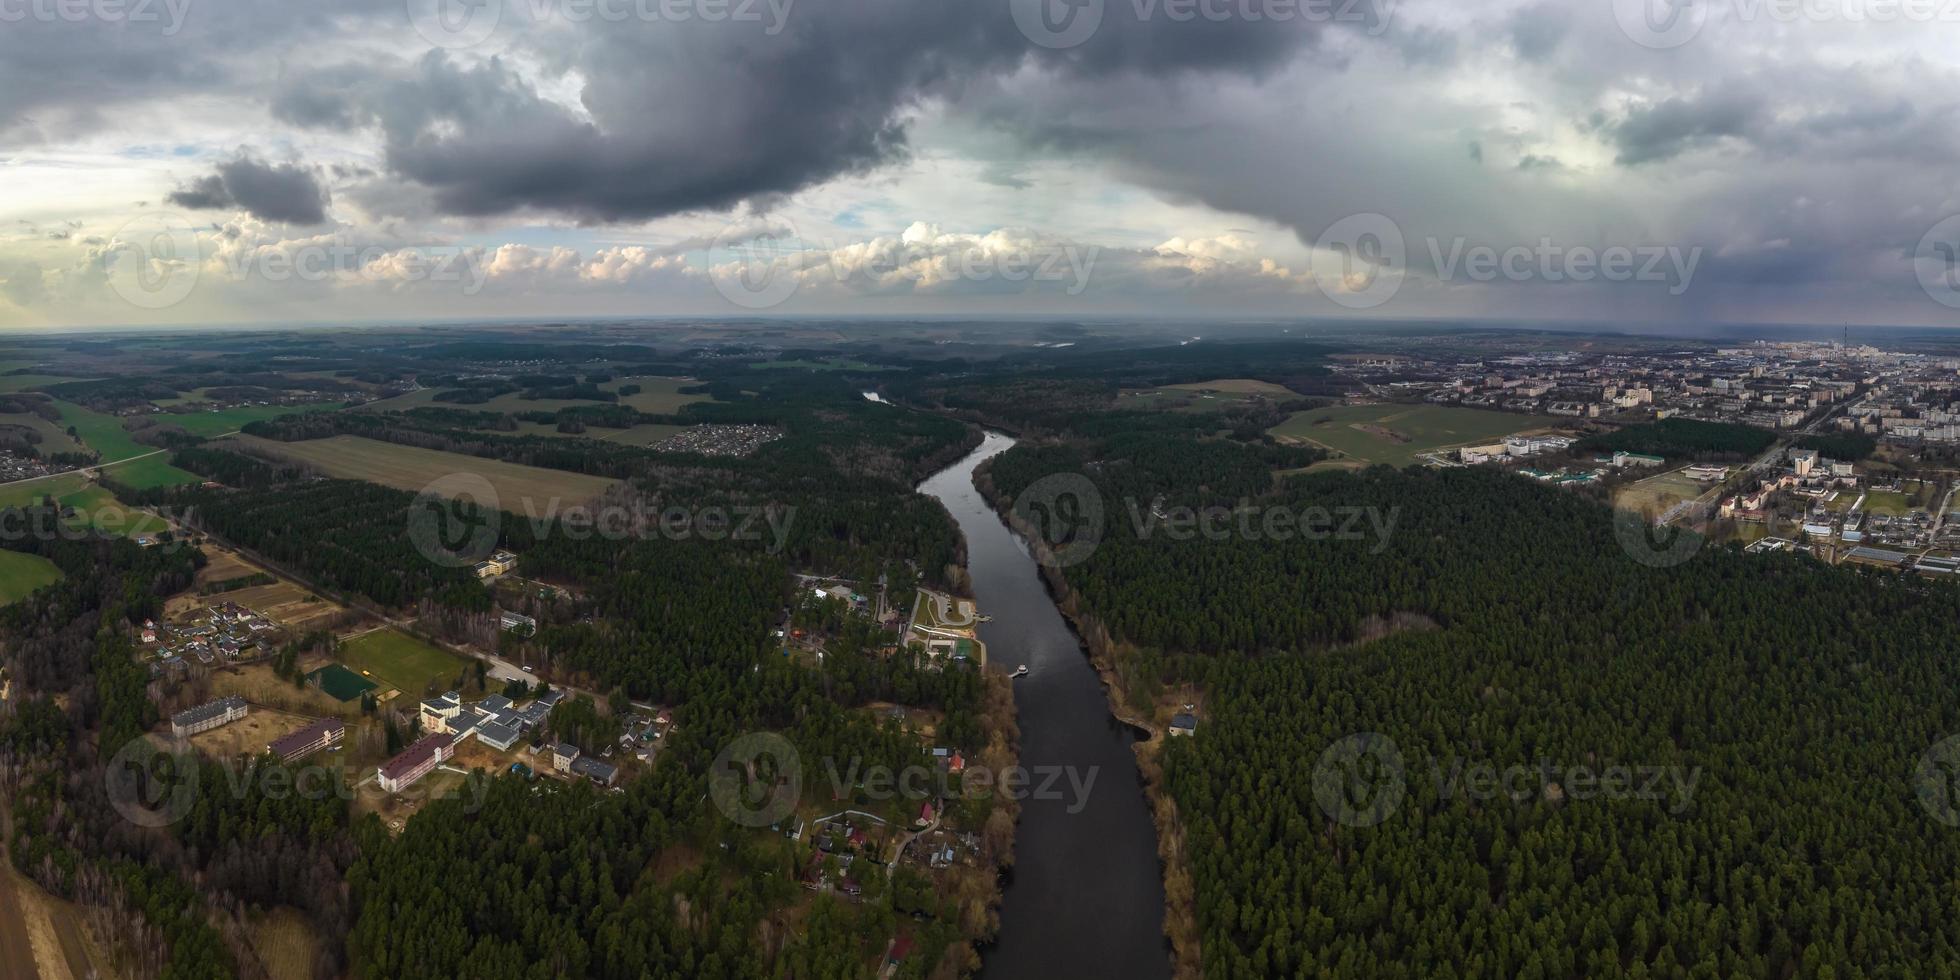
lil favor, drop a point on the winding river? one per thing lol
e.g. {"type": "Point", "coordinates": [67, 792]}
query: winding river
{"type": "Point", "coordinates": [1085, 897]}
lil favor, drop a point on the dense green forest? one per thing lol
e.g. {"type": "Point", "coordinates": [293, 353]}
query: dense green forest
{"type": "Point", "coordinates": [1801, 696]}
{"type": "Point", "coordinates": [1677, 438]}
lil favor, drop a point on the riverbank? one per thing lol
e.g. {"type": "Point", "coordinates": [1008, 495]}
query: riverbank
{"type": "Point", "coordinates": [1085, 897]}
{"type": "Point", "coordinates": [1106, 657]}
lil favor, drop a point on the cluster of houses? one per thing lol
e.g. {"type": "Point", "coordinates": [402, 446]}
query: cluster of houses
{"type": "Point", "coordinates": [720, 440]}
{"type": "Point", "coordinates": [226, 632]}
{"type": "Point", "coordinates": [842, 840]}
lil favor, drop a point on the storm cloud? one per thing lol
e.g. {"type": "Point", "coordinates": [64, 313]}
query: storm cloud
{"type": "Point", "coordinates": [286, 192]}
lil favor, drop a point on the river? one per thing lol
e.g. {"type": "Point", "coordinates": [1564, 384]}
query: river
{"type": "Point", "coordinates": [1086, 897]}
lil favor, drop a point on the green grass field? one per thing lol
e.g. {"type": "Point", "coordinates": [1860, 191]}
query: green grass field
{"type": "Point", "coordinates": [402, 662]}
{"type": "Point", "coordinates": [1887, 503]}
{"type": "Point", "coordinates": [106, 435]}
{"type": "Point", "coordinates": [1417, 429]}
{"type": "Point", "coordinates": [99, 508]}
{"type": "Point", "coordinates": [54, 438]}
{"type": "Point", "coordinates": [211, 424]}
{"type": "Point", "coordinates": [21, 574]}
{"type": "Point", "coordinates": [21, 382]}
{"type": "Point", "coordinates": [412, 469]}
{"type": "Point", "coordinates": [659, 396]}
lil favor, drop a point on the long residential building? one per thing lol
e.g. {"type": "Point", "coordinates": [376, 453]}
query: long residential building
{"type": "Point", "coordinates": [300, 744]}
{"type": "Point", "coordinates": [416, 761]}
{"type": "Point", "coordinates": [205, 717]}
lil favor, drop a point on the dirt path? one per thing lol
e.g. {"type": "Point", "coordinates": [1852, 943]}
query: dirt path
{"type": "Point", "coordinates": [30, 946]}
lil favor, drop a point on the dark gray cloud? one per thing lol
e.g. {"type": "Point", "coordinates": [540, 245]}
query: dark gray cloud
{"type": "Point", "coordinates": [285, 192]}
{"type": "Point", "coordinates": [1676, 125]}
{"type": "Point", "coordinates": [708, 116]}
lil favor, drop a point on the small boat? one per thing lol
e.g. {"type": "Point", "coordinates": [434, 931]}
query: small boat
{"type": "Point", "coordinates": [1021, 671]}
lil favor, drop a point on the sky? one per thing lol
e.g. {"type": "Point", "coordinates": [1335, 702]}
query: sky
{"type": "Point", "coordinates": [183, 162]}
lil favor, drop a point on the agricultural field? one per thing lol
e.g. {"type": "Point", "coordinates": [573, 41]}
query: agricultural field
{"type": "Point", "coordinates": [639, 435]}
{"type": "Point", "coordinates": [147, 467]}
{"type": "Point", "coordinates": [413, 469]}
{"type": "Point", "coordinates": [827, 364]}
{"type": "Point", "coordinates": [212, 424]}
{"type": "Point", "coordinates": [22, 382]}
{"type": "Point", "coordinates": [657, 396]}
{"type": "Point", "coordinates": [54, 438]}
{"type": "Point", "coordinates": [1203, 396]}
{"type": "Point", "coordinates": [1655, 494]}
{"type": "Point", "coordinates": [1399, 434]}
{"type": "Point", "coordinates": [286, 603]}
{"type": "Point", "coordinates": [99, 508]}
{"type": "Point", "coordinates": [402, 662]}
{"type": "Point", "coordinates": [21, 574]}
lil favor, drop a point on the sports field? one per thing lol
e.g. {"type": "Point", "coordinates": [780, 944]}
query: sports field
{"type": "Point", "coordinates": [402, 662]}
{"type": "Point", "coordinates": [1398, 434]}
{"type": "Point", "coordinates": [1656, 494]}
{"type": "Point", "coordinates": [413, 469]}
{"type": "Point", "coordinates": [21, 574]}
{"type": "Point", "coordinates": [105, 434]}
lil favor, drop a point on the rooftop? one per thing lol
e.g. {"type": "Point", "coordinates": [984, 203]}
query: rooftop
{"type": "Point", "coordinates": [206, 712]}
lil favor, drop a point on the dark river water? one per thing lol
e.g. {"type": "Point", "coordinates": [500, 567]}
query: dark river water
{"type": "Point", "coordinates": [1085, 898]}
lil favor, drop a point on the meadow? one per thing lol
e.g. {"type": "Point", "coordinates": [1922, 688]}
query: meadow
{"type": "Point", "coordinates": [1399, 434]}
{"type": "Point", "coordinates": [21, 574]}
{"type": "Point", "coordinates": [657, 396]}
{"type": "Point", "coordinates": [146, 467]}
{"type": "Point", "coordinates": [413, 469]}
{"type": "Point", "coordinates": [212, 424]}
